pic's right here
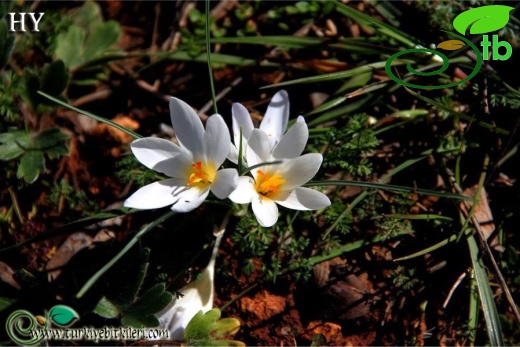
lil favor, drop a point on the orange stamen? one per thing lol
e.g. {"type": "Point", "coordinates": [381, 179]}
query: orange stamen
{"type": "Point", "coordinates": [266, 184]}
{"type": "Point", "coordinates": [200, 175]}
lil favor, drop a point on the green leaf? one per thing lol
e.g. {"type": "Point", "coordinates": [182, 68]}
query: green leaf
{"type": "Point", "coordinates": [136, 265]}
{"type": "Point", "coordinates": [483, 19]}
{"type": "Point", "coordinates": [51, 142]}
{"type": "Point", "coordinates": [152, 301]}
{"type": "Point", "coordinates": [6, 302]}
{"type": "Point", "coordinates": [486, 296]}
{"type": "Point", "coordinates": [106, 308]}
{"type": "Point", "coordinates": [140, 322]}
{"type": "Point", "coordinates": [207, 329]}
{"type": "Point", "coordinates": [31, 164]}
{"type": "Point", "coordinates": [318, 340]}
{"type": "Point", "coordinates": [31, 84]}
{"type": "Point", "coordinates": [54, 78]}
{"type": "Point", "coordinates": [63, 315]}
{"type": "Point", "coordinates": [13, 144]}
{"type": "Point", "coordinates": [102, 36]}
{"type": "Point", "coordinates": [87, 15]}
{"type": "Point", "coordinates": [6, 43]}
{"type": "Point", "coordinates": [10, 151]}
{"type": "Point", "coordinates": [69, 46]}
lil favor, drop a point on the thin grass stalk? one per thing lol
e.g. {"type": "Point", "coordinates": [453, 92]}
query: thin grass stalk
{"type": "Point", "coordinates": [91, 115]}
{"type": "Point", "coordinates": [208, 50]}
{"type": "Point", "coordinates": [121, 253]}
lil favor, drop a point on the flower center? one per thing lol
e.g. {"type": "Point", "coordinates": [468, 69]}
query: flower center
{"type": "Point", "coordinates": [201, 174]}
{"type": "Point", "coordinates": [268, 185]}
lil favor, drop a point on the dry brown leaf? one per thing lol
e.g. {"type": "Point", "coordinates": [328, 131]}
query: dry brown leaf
{"type": "Point", "coordinates": [482, 212]}
{"type": "Point", "coordinates": [327, 66]}
{"type": "Point", "coordinates": [6, 275]}
{"type": "Point", "coordinates": [104, 235]}
{"type": "Point", "coordinates": [115, 134]}
{"type": "Point", "coordinates": [72, 245]}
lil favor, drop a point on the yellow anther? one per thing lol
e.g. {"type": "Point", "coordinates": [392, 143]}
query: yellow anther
{"type": "Point", "coordinates": [266, 184]}
{"type": "Point", "coordinates": [201, 174]}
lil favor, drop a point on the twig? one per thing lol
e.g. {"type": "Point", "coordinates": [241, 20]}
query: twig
{"type": "Point", "coordinates": [16, 206]}
{"type": "Point", "coordinates": [220, 95]}
{"type": "Point", "coordinates": [485, 247]}
{"type": "Point", "coordinates": [453, 288]}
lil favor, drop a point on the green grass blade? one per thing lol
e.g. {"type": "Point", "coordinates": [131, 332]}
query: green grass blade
{"type": "Point", "coordinates": [487, 301]}
{"type": "Point", "coordinates": [343, 249]}
{"type": "Point", "coordinates": [284, 41]}
{"type": "Point", "coordinates": [418, 217]}
{"type": "Point", "coordinates": [458, 114]}
{"type": "Point", "coordinates": [216, 58]}
{"type": "Point", "coordinates": [336, 75]}
{"type": "Point", "coordinates": [381, 27]}
{"type": "Point", "coordinates": [91, 115]}
{"type": "Point", "coordinates": [72, 226]}
{"type": "Point", "coordinates": [208, 50]}
{"type": "Point", "coordinates": [327, 105]}
{"type": "Point", "coordinates": [473, 309]}
{"type": "Point", "coordinates": [121, 253]}
{"type": "Point", "coordinates": [389, 187]}
{"type": "Point", "coordinates": [343, 111]}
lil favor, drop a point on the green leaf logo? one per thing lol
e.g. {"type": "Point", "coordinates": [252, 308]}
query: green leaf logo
{"type": "Point", "coordinates": [63, 315]}
{"type": "Point", "coordinates": [482, 20]}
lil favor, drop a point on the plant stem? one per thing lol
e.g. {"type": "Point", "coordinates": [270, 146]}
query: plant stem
{"type": "Point", "coordinates": [208, 53]}
{"type": "Point", "coordinates": [121, 253]}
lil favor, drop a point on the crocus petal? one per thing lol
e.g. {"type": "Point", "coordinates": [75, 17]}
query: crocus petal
{"type": "Point", "coordinates": [225, 183]}
{"type": "Point", "coordinates": [240, 120]}
{"type": "Point", "coordinates": [258, 150]}
{"type": "Point", "coordinates": [276, 117]}
{"type": "Point", "coordinates": [177, 166]}
{"type": "Point", "coordinates": [154, 195]}
{"type": "Point", "coordinates": [293, 143]}
{"type": "Point", "coordinates": [187, 125]}
{"type": "Point", "coordinates": [244, 192]}
{"type": "Point", "coordinates": [303, 199]}
{"type": "Point", "coordinates": [152, 150]}
{"type": "Point", "coordinates": [216, 140]}
{"type": "Point", "coordinates": [300, 170]}
{"type": "Point", "coordinates": [233, 154]}
{"type": "Point", "coordinates": [196, 296]}
{"type": "Point", "coordinates": [190, 200]}
{"type": "Point", "coordinates": [265, 210]}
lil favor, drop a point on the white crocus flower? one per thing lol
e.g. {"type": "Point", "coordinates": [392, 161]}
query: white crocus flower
{"type": "Point", "coordinates": [273, 124]}
{"type": "Point", "coordinates": [196, 296]}
{"type": "Point", "coordinates": [193, 166]}
{"type": "Point", "coordinates": [279, 183]}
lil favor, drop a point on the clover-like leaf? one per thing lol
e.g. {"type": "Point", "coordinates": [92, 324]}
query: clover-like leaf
{"type": "Point", "coordinates": [207, 329]}
{"type": "Point", "coordinates": [31, 165]}
{"type": "Point", "coordinates": [106, 308]}
{"type": "Point", "coordinates": [482, 20]}
{"type": "Point", "coordinates": [54, 78]}
{"type": "Point", "coordinates": [63, 315]}
{"type": "Point", "coordinates": [451, 45]}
